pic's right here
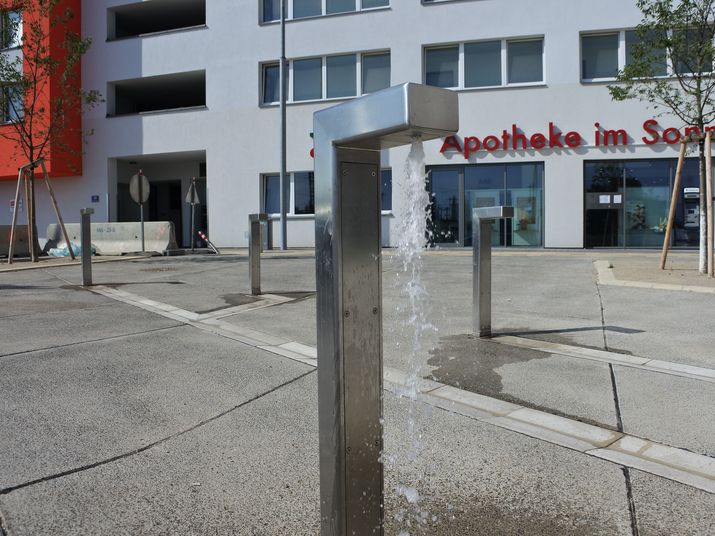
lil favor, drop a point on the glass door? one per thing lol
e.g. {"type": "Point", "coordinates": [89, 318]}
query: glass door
{"type": "Point", "coordinates": [603, 187]}
{"type": "Point", "coordinates": [483, 187]}
{"type": "Point", "coordinates": [646, 202]}
{"type": "Point", "coordinates": [524, 192]}
{"type": "Point", "coordinates": [444, 192]}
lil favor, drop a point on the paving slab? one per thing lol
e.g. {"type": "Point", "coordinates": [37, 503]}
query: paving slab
{"type": "Point", "coordinates": [666, 508]}
{"type": "Point", "coordinates": [202, 283]}
{"type": "Point", "coordinates": [54, 328]}
{"type": "Point", "coordinates": [672, 326]}
{"type": "Point", "coordinates": [574, 388]}
{"type": "Point", "coordinates": [294, 320]}
{"type": "Point", "coordinates": [31, 292]}
{"type": "Point", "coordinates": [254, 471]}
{"type": "Point", "coordinates": [67, 407]}
{"type": "Point", "coordinates": [671, 410]}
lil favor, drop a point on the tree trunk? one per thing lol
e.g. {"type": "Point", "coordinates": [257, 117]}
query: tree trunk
{"type": "Point", "coordinates": [35, 241]}
{"type": "Point", "coordinates": [703, 249]}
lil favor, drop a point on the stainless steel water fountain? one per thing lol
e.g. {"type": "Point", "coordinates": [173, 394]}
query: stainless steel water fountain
{"type": "Point", "coordinates": [348, 139]}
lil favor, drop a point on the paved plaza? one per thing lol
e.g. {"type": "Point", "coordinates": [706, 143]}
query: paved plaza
{"type": "Point", "coordinates": [168, 400]}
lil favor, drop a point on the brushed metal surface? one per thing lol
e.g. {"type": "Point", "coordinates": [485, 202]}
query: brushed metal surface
{"type": "Point", "coordinates": [347, 139]}
{"type": "Point", "coordinates": [482, 276]}
{"type": "Point", "coordinates": [494, 213]}
{"type": "Point", "coordinates": [86, 245]}
{"type": "Point", "coordinates": [254, 251]}
{"type": "Point", "coordinates": [482, 219]}
{"type": "Point", "coordinates": [362, 345]}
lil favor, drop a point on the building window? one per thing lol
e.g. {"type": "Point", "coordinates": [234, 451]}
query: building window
{"type": "Point", "coordinates": [659, 64]}
{"type": "Point", "coordinates": [485, 64]}
{"type": "Point", "coordinates": [307, 79]}
{"type": "Point", "coordinates": [271, 10]}
{"type": "Point", "coordinates": [386, 189]}
{"type": "Point", "coordinates": [303, 193]}
{"type": "Point", "coordinates": [11, 101]}
{"type": "Point", "coordinates": [688, 54]}
{"type": "Point", "coordinates": [442, 66]}
{"type": "Point", "coordinates": [328, 77]}
{"type": "Point", "coordinates": [482, 64]}
{"type": "Point", "coordinates": [301, 190]}
{"type": "Point", "coordinates": [300, 9]}
{"type": "Point", "coordinates": [339, 6]}
{"type": "Point", "coordinates": [272, 194]}
{"type": "Point", "coordinates": [341, 76]}
{"type": "Point", "coordinates": [271, 83]}
{"type": "Point", "coordinates": [599, 56]}
{"type": "Point", "coordinates": [375, 72]}
{"type": "Point", "coordinates": [604, 55]}
{"type": "Point", "coordinates": [526, 61]}
{"type": "Point", "coordinates": [10, 29]}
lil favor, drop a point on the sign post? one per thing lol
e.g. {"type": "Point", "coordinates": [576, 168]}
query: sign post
{"type": "Point", "coordinates": [192, 198]}
{"type": "Point", "coordinates": [139, 190]}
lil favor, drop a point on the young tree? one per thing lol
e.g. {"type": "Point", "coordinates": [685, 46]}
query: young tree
{"type": "Point", "coordinates": [670, 66]}
{"type": "Point", "coordinates": [41, 97]}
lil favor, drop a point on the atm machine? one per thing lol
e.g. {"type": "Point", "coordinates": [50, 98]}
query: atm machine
{"type": "Point", "coordinates": [691, 202]}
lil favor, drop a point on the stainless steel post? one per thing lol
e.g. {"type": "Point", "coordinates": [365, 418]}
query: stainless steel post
{"type": "Point", "coordinates": [254, 251]}
{"type": "Point", "coordinates": [482, 220]}
{"type": "Point", "coordinates": [348, 139]}
{"type": "Point", "coordinates": [141, 216]}
{"type": "Point", "coordinates": [86, 245]}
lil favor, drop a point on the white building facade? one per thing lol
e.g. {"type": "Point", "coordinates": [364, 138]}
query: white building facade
{"type": "Point", "coordinates": [191, 90]}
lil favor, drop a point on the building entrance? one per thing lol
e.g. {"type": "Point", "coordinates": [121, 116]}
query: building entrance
{"type": "Point", "coordinates": [626, 203]}
{"type": "Point", "coordinates": [170, 177]}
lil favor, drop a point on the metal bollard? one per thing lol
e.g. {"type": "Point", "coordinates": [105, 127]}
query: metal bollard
{"type": "Point", "coordinates": [348, 277]}
{"type": "Point", "coordinates": [482, 219]}
{"type": "Point", "coordinates": [86, 245]}
{"type": "Point", "coordinates": [255, 247]}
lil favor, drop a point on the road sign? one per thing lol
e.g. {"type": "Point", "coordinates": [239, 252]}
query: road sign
{"type": "Point", "coordinates": [139, 188]}
{"type": "Point", "coordinates": [192, 196]}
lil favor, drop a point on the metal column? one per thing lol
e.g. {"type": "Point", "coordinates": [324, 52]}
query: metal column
{"type": "Point", "coordinates": [348, 139]}
{"type": "Point", "coordinates": [255, 246]}
{"type": "Point", "coordinates": [86, 245]}
{"type": "Point", "coordinates": [482, 220]}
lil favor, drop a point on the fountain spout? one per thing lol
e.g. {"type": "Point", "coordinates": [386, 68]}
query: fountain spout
{"type": "Point", "coordinates": [348, 139]}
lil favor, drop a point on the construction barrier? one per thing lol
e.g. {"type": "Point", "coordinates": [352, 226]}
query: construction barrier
{"type": "Point", "coordinates": [22, 247]}
{"type": "Point", "coordinates": [118, 238]}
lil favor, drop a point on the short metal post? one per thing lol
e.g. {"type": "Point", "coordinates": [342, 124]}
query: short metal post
{"type": "Point", "coordinates": [482, 220]}
{"type": "Point", "coordinates": [254, 251]}
{"type": "Point", "coordinates": [86, 245]}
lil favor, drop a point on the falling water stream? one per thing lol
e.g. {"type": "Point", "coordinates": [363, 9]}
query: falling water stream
{"type": "Point", "coordinates": [412, 232]}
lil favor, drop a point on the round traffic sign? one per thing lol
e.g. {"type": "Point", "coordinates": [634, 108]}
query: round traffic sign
{"type": "Point", "coordinates": [139, 188]}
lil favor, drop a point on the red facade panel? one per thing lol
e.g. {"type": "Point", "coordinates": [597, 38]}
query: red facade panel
{"type": "Point", "coordinates": [63, 154]}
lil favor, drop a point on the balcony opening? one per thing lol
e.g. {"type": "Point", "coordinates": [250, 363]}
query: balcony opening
{"type": "Point", "coordinates": [157, 93]}
{"type": "Point", "coordinates": [153, 16]}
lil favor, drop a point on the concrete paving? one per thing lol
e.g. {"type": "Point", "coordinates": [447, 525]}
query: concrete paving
{"type": "Point", "coordinates": [648, 400]}
{"type": "Point", "coordinates": [118, 420]}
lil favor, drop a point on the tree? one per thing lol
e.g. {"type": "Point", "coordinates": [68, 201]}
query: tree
{"type": "Point", "coordinates": [670, 66]}
{"type": "Point", "coordinates": [41, 97]}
